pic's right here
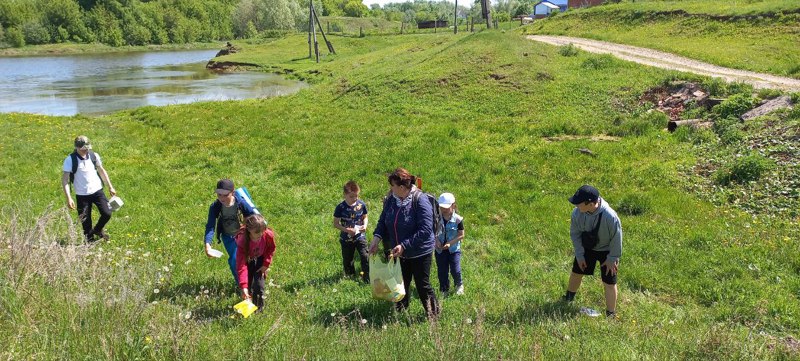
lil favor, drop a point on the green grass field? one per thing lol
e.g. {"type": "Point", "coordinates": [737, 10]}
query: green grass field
{"type": "Point", "coordinates": [764, 37]}
{"type": "Point", "coordinates": [493, 118]}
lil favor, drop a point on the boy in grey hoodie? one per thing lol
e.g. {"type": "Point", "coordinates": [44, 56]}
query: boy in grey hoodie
{"type": "Point", "coordinates": [596, 234]}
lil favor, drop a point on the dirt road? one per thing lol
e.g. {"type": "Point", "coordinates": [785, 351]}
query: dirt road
{"type": "Point", "coordinates": [670, 61]}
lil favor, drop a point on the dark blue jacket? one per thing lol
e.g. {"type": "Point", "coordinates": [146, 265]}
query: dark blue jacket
{"type": "Point", "coordinates": [410, 226]}
{"type": "Point", "coordinates": [214, 221]}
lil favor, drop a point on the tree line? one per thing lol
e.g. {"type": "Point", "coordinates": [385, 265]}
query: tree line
{"type": "Point", "coordinates": [142, 22]}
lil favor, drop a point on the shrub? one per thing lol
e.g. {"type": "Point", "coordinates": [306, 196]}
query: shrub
{"type": "Point", "coordinates": [734, 106]}
{"type": "Point", "coordinates": [15, 38]}
{"type": "Point", "coordinates": [568, 50]}
{"type": "Point", "coordinates": [744, 169]}
{"type": "Point", "coordinates": [598, 62]}
{"type": "Point", "coordinates": [633, 204]}
{"type": "Point", "coordinates": [35, 33]}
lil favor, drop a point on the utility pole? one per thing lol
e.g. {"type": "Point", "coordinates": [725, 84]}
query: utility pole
{"type": "Point", "coordinates": [487, 12]}
{"type": "Point", "coordinates": [455, 19]}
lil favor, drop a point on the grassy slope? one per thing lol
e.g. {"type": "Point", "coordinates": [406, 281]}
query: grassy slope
{"type": "Point", "coordinates": [764, 44]}
{"type": "Point", "coordinates": [430, 103]}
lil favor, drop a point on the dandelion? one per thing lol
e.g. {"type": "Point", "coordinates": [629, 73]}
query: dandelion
{"type": "Point", "coordinates": [363, 321]}
{"type": "Point", "coordinates": [147, 339]}
{"type": "Point", "coordinates": [188, 315]}
{"type": "Point", "coordinates": [156, 291]}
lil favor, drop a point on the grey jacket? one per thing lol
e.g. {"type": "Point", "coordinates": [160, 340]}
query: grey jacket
{"type": "Point", "coordinates": [610, 232]}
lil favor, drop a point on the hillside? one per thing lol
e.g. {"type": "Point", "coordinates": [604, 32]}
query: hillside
{"type": "Point", "coordinates": [491, 117]}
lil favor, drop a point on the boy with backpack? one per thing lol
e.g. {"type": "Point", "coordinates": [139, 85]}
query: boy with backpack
{"type": "Point", "coordinates": [225, 216]}
{"type": "Point", "coordinates": [84, 170]}
{"type": "Point", "coordinates": [596, 234]}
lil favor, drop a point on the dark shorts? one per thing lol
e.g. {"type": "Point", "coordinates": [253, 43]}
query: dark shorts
{"type": "Point", "coordinates": [592, 258]}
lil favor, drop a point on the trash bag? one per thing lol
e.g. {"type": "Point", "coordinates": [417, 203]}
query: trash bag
{"type": "Point", "coordinates": [246, 308]}
{"type": "Point", "coordinates": [386, 279]}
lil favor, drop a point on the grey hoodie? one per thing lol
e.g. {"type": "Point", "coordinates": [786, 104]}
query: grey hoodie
{"type": "Point", "coordinates": [610, 232]}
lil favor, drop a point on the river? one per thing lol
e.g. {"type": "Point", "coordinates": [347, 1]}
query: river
{"type": "Point", "coordinates": [104, 83]}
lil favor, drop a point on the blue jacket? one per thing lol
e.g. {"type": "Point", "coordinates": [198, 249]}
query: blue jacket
{"type": "Point", "coordinates": [214, 221]}
{"type": "Point", "coordinates": [410, 226]}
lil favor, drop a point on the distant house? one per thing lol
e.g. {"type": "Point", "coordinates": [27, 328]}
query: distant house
{"type": "Point", "coordinates": [432, 24]}
{"type": "Point", "coordinates": [544, 8]}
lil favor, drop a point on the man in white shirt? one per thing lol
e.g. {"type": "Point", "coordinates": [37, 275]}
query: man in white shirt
{"type": "Point", "coordinates": [84, 169]}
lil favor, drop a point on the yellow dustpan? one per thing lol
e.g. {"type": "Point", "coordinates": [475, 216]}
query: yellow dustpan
{"type": "Point", "coordinates": [246, 308]}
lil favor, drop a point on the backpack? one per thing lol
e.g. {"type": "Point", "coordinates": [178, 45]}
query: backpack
{"type": "Point", "coordinates": [74, 156]}
{"type": "Point", "coordinates": [437, 216]}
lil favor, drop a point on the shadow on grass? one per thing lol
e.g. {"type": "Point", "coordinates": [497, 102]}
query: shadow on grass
{"type": "Point", "coordinates": [535, 313]}
{"type": "Point", "coordinates": [324, 280]}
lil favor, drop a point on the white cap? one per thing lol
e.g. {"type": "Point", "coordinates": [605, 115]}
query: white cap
{"type": "Point", "coordinates": [446, 200]}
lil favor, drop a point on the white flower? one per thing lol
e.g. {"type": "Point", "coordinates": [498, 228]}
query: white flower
{"type": "Point", "coordinates": [155, 290]}
{"type": "Point", "coordinates": [187, 261]}
{"type": "Point", "coordinates": [333, 314]}
{"type": "Point", "coordinates": [334, 290]}
{"type": "Point", "coordinates": [188, 315]}
{"type": "Point", "coordinates": [384, 327]}
{"type": "Point", "coordinates": [363, 321]}
{"type": "Point", "coordinates": [469, 320]}
{"type": "Point", "coordinates": [166, 269]}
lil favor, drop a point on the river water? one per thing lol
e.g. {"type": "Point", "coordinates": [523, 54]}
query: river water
{"type": "Point", "coordinates": [104, 83]}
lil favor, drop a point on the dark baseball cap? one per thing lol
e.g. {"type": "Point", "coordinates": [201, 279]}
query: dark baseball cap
{"type": "Point", "coordinates": [585, 193]}
{"type": "Point", "coordinates": [224, 186]}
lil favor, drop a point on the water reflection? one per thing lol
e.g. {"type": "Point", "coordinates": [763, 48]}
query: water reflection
{"type": "Point", "coordinates": [94, 84]}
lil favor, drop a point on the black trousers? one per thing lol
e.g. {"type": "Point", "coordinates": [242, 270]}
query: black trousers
{"type": "Point", "coordinates": [348, 254]}
{"type": "Point", "coordinates": [256, 281]}
{"type": "Point", "coordinates": [420, 270]}
{"type": "Point", "coordinates": [85, 212]}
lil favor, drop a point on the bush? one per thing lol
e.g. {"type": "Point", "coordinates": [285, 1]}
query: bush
{"type": "Point", "coordinates": [568, 50]}
{"type": "Point", "coordinates": [598, 62]}
{"type": "Point", "coordinates": [744, 170]}
{"type": "Point", "coordinates": [35, 33]}
{"type": "Point", "coordinates": [641, 124]}
{"type": "Point", "coordinates": [15, 38]}
{"type": "Point", "coordinates": [734, 106]}
{"type": "Point", "coordinates": [633, 204]}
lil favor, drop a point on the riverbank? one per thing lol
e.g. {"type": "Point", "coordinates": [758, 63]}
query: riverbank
{"type": "Point", "coordinates": [97, 48]}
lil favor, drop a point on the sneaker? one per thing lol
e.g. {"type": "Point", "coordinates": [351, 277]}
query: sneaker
{"type": "Point", "coordinates": [612, 315]}
{"type": "Point", "coordinates": [460, 290]}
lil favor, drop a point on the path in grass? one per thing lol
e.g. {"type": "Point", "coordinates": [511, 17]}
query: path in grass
{"type": "Point", "coordinates": [671, 61]}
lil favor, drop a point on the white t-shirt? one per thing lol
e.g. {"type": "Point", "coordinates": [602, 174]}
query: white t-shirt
{"type": "Point", "coordinates": [86, 179]}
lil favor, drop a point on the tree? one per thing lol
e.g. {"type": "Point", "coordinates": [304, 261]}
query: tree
{"type": "Point", "coordinates": [35, 33]}
{"type": "Point", "coordinates": [355, 9]}
{"type": "Point", "coordinates": [275, 15]}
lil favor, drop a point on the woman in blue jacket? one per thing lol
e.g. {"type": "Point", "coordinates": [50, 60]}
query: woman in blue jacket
{"type": "Point", "coordinates": [406, 229]}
